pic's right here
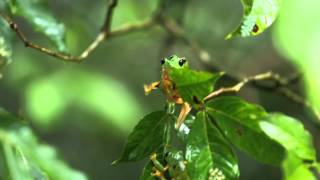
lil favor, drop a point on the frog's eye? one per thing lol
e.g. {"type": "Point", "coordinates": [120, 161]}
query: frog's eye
{"type": "Point", "coordinates": [182, 61]}
{"type": "Point", "coordinates": [162, 61]}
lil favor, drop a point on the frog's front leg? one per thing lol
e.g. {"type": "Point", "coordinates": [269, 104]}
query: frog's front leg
{"type": "Point", "coordinates": [148, 88]}
{"type": "Point", "coordinates": [186, 108]}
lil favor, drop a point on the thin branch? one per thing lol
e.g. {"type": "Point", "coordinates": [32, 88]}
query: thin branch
{"type": "Point", "coordinates": [100, 37]}
{"type": "Point", "coordinates": [238, 86]}
{"type": "Point", "coordinates": [279, 87]}
{"type": "Point", "coordinates": [125, 29]}
{"type": "Point", "coordinates": [177, 32]}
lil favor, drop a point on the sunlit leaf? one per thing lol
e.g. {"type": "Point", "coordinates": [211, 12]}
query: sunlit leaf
{"type": "Point", "coordinates": [208, 153]}
{"type": "Point", "coordinates": [295, 169]}
{"type": "Point", "coordinates": [25, 158]}
{"type": "Point", "coordinates": [239, 121]}
{"type": "Point", "coordinates": [297, 36]}
{"type": "Point", "coordinates": [291, 134]}
{"type": "Point", "coordinates": [258, 16]}
{"type": "Point", "coordinates": [91, 92]}
{"type": "Point", "coordinates": [37, 13]}
{"type": "Point", "coordinates": [147, 137]}
{"type": "Point", "coordinates": [193, 85]}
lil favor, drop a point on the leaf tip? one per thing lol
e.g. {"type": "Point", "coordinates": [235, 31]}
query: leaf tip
{"type": "Point", "coordinates": [228, 37]}
{"type": "Point", "coordinates": [115, 162]}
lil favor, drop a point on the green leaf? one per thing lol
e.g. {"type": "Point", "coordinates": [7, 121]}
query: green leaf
{"type": "Point", "coordinates": [147, 137]}
{"type": "Point", "coordinates": [37, 14]}
{"type": "Point", "coordinates": [25, 158]}
{"type": "Point", "coordinates": [294, 168]}
{"type": "Point", "coordinates": [208, 153]}
{"type": "Point", "coordinates": [192, 84]}
{"type": "Point", "coordinates": [223, 155]}
{"type": "Point", "coordinates": [291, 134]}
{"type": "Point", "coordinates": [239, 121]}
{"type": "Point", "coordinates": [5, 42]}
{"type": "Point", "coordinates": [258, 16]}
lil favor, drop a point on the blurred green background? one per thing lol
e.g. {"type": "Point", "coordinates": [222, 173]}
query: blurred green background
{"type": "Point", "coordinates": [86, 110]}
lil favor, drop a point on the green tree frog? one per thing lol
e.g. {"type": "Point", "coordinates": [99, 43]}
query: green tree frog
{"type": "Point", "coordinates": [168, 86]}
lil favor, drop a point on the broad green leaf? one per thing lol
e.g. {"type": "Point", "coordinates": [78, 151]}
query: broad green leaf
{"type": "Point", "coordinates": [146, 173]}
{"type": "Point", "coordinates": [25, 158]}
{"type": "Point", "coordinates": [239, 121]}
{"type": "Point", "coordinates": [295, 169]}
{"type": "Point", "coordinates": [147, 137]}
{"type": "Point", "coordinates": [291, 134]}
{"type": "Point", "coordinates": [193, 84]}
{"type": "Point", "coordinates": [297, 36]}
{"type": "Point", "coordinates": [5, 43]}
{"type": "Point", "coordinates": [36, 12]}
{"type": "Point", "coordinates": [258, 16]}
{"type": "Point", "coordinates": [208, 153]}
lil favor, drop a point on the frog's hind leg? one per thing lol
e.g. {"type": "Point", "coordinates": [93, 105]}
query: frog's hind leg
{"type": "Point", "coordinates": [186, 108]}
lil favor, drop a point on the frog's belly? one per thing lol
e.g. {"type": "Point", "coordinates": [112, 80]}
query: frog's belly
{"type": "Point", "coordinates": [171, 93]}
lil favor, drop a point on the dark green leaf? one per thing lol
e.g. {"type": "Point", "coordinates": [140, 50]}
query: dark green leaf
{"type": "Point", "coordinates": [37, 14]}
{"type": "Point", "coordinates": [291, 134]}
{"type": "Point", "coordinates": [208, 154]}
{"type": "Point", "coordinates": [25, 158]}
{"type": "Point", "coordinates": [223, 155]}
{"type": "Point", "coordinates": [193, 84]}
{"type": "Point", "coordinates": [258, 16]}
{"type": "Point", "coordinates": [239, 121]}
{"type": "Point", "coordinates": [149, 135]}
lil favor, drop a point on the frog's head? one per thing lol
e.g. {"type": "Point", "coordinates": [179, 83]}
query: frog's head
{"type": "Point", "coordinates": [174, 62]}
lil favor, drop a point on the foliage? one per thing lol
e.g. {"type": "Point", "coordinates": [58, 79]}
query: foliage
{"type": "Point", "coordinates": [258, 16]}
{"type": "Point", "coordinates": [25, 158]}
{"type": "Point", "coordinates": [204, 146]}
{"type": "Point", "coordinates": [38, 15]}
{"type": "Point", "coordinates": [270, 138]}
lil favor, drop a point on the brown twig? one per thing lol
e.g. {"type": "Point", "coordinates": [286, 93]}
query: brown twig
{"type": "Point", "coordinates": [104, 34]}
{"type": "Point", "coordinates": [238, 86]}
{"type": "Point", "coordinates": [280, 86]}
